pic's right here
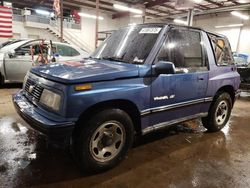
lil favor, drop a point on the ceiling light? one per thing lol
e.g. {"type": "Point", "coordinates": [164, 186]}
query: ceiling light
{"type": "Point", "coordinates": [89, 16]}
{"type": "Point", "coordinates": [238, 14]}
{"type": "Point", "coordinates": [137, 16]}
{"type": "Point", "coordinates": [42, 12]}
{"type": "Point", "coordinates": [180, 21]}
{"type": "Point", "coordinates": [124, 8]}
{"type": "Point", "coordinates": [197, 1]}
{"type": "Point", "coordinates": [243, 1]}
{"type": "Point", "coordinates": [231, 25]}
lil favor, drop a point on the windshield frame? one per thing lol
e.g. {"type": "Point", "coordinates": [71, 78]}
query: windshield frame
{"type": "Point", "coordinates": [152, 52]}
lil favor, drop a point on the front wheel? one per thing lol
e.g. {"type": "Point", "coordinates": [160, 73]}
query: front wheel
{"type": "Point", "coordinates": [219, 113]}
{"type": "Point", "coordinates": [104, 140]}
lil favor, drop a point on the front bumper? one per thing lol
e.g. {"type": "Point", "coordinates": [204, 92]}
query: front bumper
{"type": "Point", "coordinates": [29, 113]}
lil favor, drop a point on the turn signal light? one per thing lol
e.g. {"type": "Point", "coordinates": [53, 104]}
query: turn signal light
{"type": "Point", "coordinates": [83, 87]}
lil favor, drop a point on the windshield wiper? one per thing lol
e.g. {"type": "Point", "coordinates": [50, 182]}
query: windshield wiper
{"type": "Point", "coordinates": [114, 59]}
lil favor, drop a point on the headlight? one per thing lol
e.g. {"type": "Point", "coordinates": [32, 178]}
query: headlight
{"type": "Point", "coordinates": [51, 99]}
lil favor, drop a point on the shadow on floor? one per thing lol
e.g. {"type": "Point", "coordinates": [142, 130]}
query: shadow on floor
{"type": "Point", "coordinates": [51, 164]}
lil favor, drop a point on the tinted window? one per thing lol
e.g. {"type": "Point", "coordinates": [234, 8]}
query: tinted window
{"type": "Point", "coordinates": [74, 52]}
{"type": "Point", "coordinates": [24, 50]}
{"type": "Point", "coordinates": [64, 50]}
{"type": "Point", "coordinates": [184, 49]}
{"type": "Point", "coordinates": [222, 51]}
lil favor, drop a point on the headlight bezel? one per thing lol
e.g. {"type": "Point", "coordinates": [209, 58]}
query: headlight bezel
{"type": "Point", "coordinates": [56, 98]}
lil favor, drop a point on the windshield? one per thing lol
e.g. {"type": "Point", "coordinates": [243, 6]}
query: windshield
{"type": "Point", "coordinates": [130, 45]}
{"type": "Point", "coordinates": [13, 46]}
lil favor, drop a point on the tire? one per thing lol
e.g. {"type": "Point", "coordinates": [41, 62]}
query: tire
{"type": "Point", "coordinates": [103, 141]}
{"type": "Point", "coordinates": [1, 80]}
{"type": "Point", "coordinates": [219, 112]}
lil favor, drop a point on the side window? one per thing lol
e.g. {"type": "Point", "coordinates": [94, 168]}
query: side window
{"type": "Point", "coordinates": [183, 48]}
{"type": "Point", "coordinates": [26, 49]}
{"type": "Point", "coordinates": [36, 49]}
{"type": "Point", "coordinates": [222, 51]}
{"type": "Point", "coordinates": [74, 52]}
{"type": "Point", "coordinates": [23, 50]}
{"type": "Point", "coordinates": [64, 50]}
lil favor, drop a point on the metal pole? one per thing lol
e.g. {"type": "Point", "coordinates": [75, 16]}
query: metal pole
{"type": "Point", "coordinates": [190, 17]}
{"type": "Point", "coordinates": [61, 12]}
{"type": "Point", "coordinates": [97, 23]}
{"type": "Point", "coordinates": [238, 41]}
{"type": "Point", "coordinates": [144, 14]}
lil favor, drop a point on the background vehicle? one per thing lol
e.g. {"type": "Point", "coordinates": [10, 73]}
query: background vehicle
{"type": "Point", "coordinates": [241, 60]}
{"type": "Point", "coordinates": [141, 79]}
{"type": "Point", "coordinates": [244, 74]}
{"type": "Point", "coordinates": [16, 59]}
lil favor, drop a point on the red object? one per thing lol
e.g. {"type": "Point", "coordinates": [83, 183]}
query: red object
{"type": "Point", "coordinates": [5, 22]}
{"type": "Point", "coordinates": [76, 16]}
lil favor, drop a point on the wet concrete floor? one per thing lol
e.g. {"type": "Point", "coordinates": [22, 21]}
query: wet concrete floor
{"type": "Point", "coordinates": [184, 156]}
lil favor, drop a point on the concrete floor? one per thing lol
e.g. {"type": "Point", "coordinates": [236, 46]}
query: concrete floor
{"type": "Point", "coordinates": [184, 156]}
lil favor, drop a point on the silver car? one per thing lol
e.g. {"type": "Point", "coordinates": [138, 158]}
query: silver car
{"type": "Point", "coordinates": [16, 59]}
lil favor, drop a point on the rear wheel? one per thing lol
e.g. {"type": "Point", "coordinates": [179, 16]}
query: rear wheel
{"type": "Point", "coordinates": [219, 112]}
{"type": "Point", "coordinates": [104, 140]}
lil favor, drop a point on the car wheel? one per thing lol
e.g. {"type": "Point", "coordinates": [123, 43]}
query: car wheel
{"type": "Point", "coordinates": [219, 113]}
{"type": "Point", "coordinates": [104, 140]}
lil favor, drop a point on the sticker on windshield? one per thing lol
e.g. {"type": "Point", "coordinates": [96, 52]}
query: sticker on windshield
{"type": "Point", "coordinates": [150, 30]}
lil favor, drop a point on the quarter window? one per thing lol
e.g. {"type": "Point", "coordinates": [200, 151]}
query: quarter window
{"type": "Point", "coordinates": [222, 51]}
{"type": "Point", "coordinates": [64, 50]}
{"type": "Point", "coordinates": [184, 49]}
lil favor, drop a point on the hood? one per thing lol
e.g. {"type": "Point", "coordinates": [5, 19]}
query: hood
{"type": "Point", "coordinates": [86, 71]}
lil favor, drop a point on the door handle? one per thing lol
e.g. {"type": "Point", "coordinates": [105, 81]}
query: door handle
{"type": "Point", "coordinates": [233, 68]}
{"type": "Point", "coordinates": [200, 78]}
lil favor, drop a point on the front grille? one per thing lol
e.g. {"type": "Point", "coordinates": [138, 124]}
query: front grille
{"type": "Point", "coordinates": [33, 90]}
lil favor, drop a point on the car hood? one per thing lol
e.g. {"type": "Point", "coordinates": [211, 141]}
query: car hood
{"type": "Point", "coordinates": [86, 71]}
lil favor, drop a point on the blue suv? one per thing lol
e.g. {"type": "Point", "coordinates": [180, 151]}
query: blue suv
{"type": "Point", "coordinates": [141, 79]}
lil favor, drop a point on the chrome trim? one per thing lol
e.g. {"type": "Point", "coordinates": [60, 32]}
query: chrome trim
{"type": "Point", "coordinates": [168, 123]}
{"type": "Point", "coordinates": [177, 105]}
{"type": "Point", "coordinates": [208, 99]}
{"type": "Point", "coordinates": [145, 112]}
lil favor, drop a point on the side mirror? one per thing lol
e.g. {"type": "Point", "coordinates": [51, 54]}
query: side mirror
{"type": "Point", "coordinates": [12, 53]}
{"type": "Point", "coordinates": [164, 67]}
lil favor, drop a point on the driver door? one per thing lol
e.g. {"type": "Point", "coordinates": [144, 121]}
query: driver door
{"type": "Point", "coordinates": [180, 95]}
{"type": "Point", "coordinates": [20, 63]}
